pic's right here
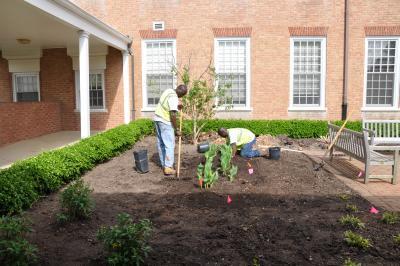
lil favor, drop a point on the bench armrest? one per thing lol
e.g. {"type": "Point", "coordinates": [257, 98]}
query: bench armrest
{"type": "Point", "coordinates": [385, 148]}
{"type": "Point", "coordinates": [371, 134]}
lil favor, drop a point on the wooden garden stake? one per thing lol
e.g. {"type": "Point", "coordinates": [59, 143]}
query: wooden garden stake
{"type": "Point", "coordinates": [179, 145]}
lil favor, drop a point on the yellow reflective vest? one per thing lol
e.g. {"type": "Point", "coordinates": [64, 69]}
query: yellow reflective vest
{"type": "Point", "coordinates": [162, 109]}
{"type": "Point", "coordinates": [242, 136]}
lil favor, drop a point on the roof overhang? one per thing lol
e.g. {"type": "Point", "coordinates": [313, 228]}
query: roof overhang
{"type": "Point", "coordinates": [76, 17]}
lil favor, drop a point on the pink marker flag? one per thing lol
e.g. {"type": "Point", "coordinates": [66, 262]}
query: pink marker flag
{"type": "Point", "coordinates": [360, 174]}
{"type": "Point", "coordinates": [251, 171]}
{"type": "Point", "coordinates": [373, 210]}
{"type": "Point", "coordinates": [229, 200]}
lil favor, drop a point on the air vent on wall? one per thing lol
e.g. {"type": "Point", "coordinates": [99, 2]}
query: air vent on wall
{"type": "Point", "coordinates": [158, 25]}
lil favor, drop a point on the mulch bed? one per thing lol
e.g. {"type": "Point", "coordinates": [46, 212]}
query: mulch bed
{"type": "Point", "coordinates": [283, 214]}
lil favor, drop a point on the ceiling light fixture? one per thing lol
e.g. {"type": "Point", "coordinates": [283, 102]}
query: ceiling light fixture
{"type": "Point", "coordinates": [23, 41]}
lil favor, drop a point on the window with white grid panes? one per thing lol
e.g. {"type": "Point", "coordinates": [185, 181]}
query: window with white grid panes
{"type": "Point", "coordinates": [26, 87]}
{"type": "Point", "coordinates": [381, 62]}
{"type": "Point", "coordinates": [307, 72]}
{"type": "Point", "coordinates": [158, 65]}
{"type": "Point", "coordinates": [232, 70]}
{"type": "Point", "coordinates": [96, 90]}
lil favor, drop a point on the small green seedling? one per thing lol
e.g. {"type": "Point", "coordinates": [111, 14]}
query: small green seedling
{"type": "Point", "coordinates": [352, 207]}
{"type": "Point", "coordinates": [349, 262]}
{"type": "Point", "coordinates": [256, 261]}
{"type": "Point", "coordinates": [344, 197]}
{"type": "Point", "coordinates": [355, 240]}
{"type": "Point", "coordinates": [396, 239]}
{"type": "Point", "coordinates": [352, 221]}
{"type": "Point", "coordinates": [205, 173]}
{"type": "Point", "coordinates": [390, 218]}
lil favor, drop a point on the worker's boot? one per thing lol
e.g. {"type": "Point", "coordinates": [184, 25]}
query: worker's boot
{"type": "Point", "coordinates": [169, 171]}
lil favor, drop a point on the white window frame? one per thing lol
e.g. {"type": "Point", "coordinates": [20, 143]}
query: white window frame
{"type": "Point", "coordinates": [14, 75]}
{"type": "Point", "coordinates": [77, 98]}
{"type": "Point", "coordinates": [396, 81]}
{"type": "Point", "coordinates": [322, 104]}
{"type": "Point", "coordinates": [145, 106]}
{"type": "Point", "coordinates": [158, 22]}
{"type": "Point", "coordinates": [247, 106]}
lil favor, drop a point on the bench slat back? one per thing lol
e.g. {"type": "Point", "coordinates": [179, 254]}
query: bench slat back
{"type": "Point", "coordinates": [350, 142]}
{"type": "Point", "coordinates": [385, 130]}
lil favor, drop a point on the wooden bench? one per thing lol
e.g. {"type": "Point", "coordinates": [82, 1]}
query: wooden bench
{"type": "Point", "coordinates": [385, 131]}
{"type": "Point", "coordinates": [357, 145]}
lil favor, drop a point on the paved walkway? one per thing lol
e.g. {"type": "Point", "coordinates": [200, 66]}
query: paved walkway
{"type": "Point", "coordinates": [31, 147]}
{"type": "Point", "coordinates": [381, 193]}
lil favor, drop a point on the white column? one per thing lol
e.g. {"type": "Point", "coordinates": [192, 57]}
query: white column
{"type": "Point", "coordinates": [125, 78]}
{"type": "Point", "coordinates": [84, 83]}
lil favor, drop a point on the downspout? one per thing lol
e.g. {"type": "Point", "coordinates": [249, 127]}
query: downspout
{"type": "Point", "coordinates": [345, 61]}
{"type": "Point", "coordinates": [132, 81]}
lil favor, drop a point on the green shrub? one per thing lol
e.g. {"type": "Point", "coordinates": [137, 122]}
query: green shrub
{"type": "Point", "coordinates": [76, 202]}
{"type": "Point", "coordinates": [356, 240]}
{"type": "Point", "coordinates": [352, 221]}
{"type": "Point", "coordinates": [390, 217]}
{"type": "Point", "coordinates": [349, 262]}
{"type": "Point", "coordinates": [25, 181]}
{"type": "Point", "coordinates": [14, 249]}
{"type": "Point", "coordinates": [126, 243]}
{"type": "Point", "coordinates": [351, 207]}
{"type": "Point", "coordinates": [396, 239]}
{"type": "Point", "coordinates": [292, 128]}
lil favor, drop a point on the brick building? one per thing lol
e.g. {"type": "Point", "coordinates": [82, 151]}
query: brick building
{"type": "Point", "coordinates": [289, 59]}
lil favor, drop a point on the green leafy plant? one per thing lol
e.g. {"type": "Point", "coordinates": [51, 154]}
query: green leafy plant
{"type": "Point", "coordinates": [203, 98]}
{"type": "Point", "coordinates": [349, 262]}
{"type": "Point", "coordinates": [14, 248]}
{"type": "Point", "coordinates": [126, 243]}
{"type": "Point", "coordinates": [352, 207]}
{"type": "Point", "coordinates": [344, 197]}
{"type": "Point", "coordinates": [205, 173]}
{"type": "Point", "coordinates": [228, 169]}
{"type": "Point", "coordinates": [396, 239]}
{"type": "Point", "coordinates": [390, 217]}
{"type": "Point", "coordinates": [352, 221]}
{"type": "Point", "coordinates": [76, 202]}
{"type": "Point", "coordinates": [356, 240]}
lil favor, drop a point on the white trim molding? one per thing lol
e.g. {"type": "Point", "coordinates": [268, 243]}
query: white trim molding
{"type": "Point", "coordinates": [247, 106]}
{"type": "Point", "coordinates": [145, 106]}
{"type": "Point", "coordinates": [308, 107]}
{"type": "Point", "coordinates": [73, 15]}
{"type": "Point", "coordinates": [395, 105]}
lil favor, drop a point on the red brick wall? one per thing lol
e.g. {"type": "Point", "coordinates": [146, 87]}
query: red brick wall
{"type": "Point", "coordinates": [363, 14]}
{"type": "Point", "coordinates": [270, 41]}
{"type": "Point", "coordinates": [57, 88]}
{"type": "Point", "coordinates": [19, 121]}
{"type": "Point", "coordinates": [5, 81]}
{"type": "Point", "coordinates": [58, 84]}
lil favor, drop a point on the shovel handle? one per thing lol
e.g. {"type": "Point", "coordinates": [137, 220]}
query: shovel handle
{"type": "Point", "coordinates": [179, 145]}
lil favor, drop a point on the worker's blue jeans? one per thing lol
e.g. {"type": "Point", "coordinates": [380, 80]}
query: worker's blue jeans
{"type": "Point", "coordinates": [247, 150]}
{"type": "Point", "coordinates": [165, 143]}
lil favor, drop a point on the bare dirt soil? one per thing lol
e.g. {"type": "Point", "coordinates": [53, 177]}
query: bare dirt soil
{"type": "Point", "coordinates": [283, 214]}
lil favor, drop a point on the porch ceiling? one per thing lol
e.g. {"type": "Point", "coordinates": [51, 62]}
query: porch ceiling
{"type": "Point", "coordinates": [22, 20]}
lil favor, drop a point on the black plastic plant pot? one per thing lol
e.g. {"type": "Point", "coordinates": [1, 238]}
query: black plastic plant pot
{"type": "Point", "coordinates": [142, 166]}
{"type": "Point", "coordinates": [275, 153]}
{"type": "Point", "coordinates": [141, 161]}
{"type": "Point", "coordinates": [140, 155]}
{"type": "Point", "coordinates": [203, 147]}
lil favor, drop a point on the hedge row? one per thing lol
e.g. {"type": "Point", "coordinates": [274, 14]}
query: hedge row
{"type": "Point", "coordinates": [24, 182]}
{"type": "Point", "coordinates": [292, 128]}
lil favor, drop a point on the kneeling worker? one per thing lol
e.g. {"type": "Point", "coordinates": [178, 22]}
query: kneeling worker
{"type": "Point", "coordinates": [166, 126]}
{"type": "Point", "coordinates": [240, 139]}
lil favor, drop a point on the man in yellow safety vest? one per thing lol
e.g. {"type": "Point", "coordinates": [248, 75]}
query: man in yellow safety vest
{"type": "Point", "coordinates": [166, 126]}
{"type": "Point", "coordinates": [240, 139]}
